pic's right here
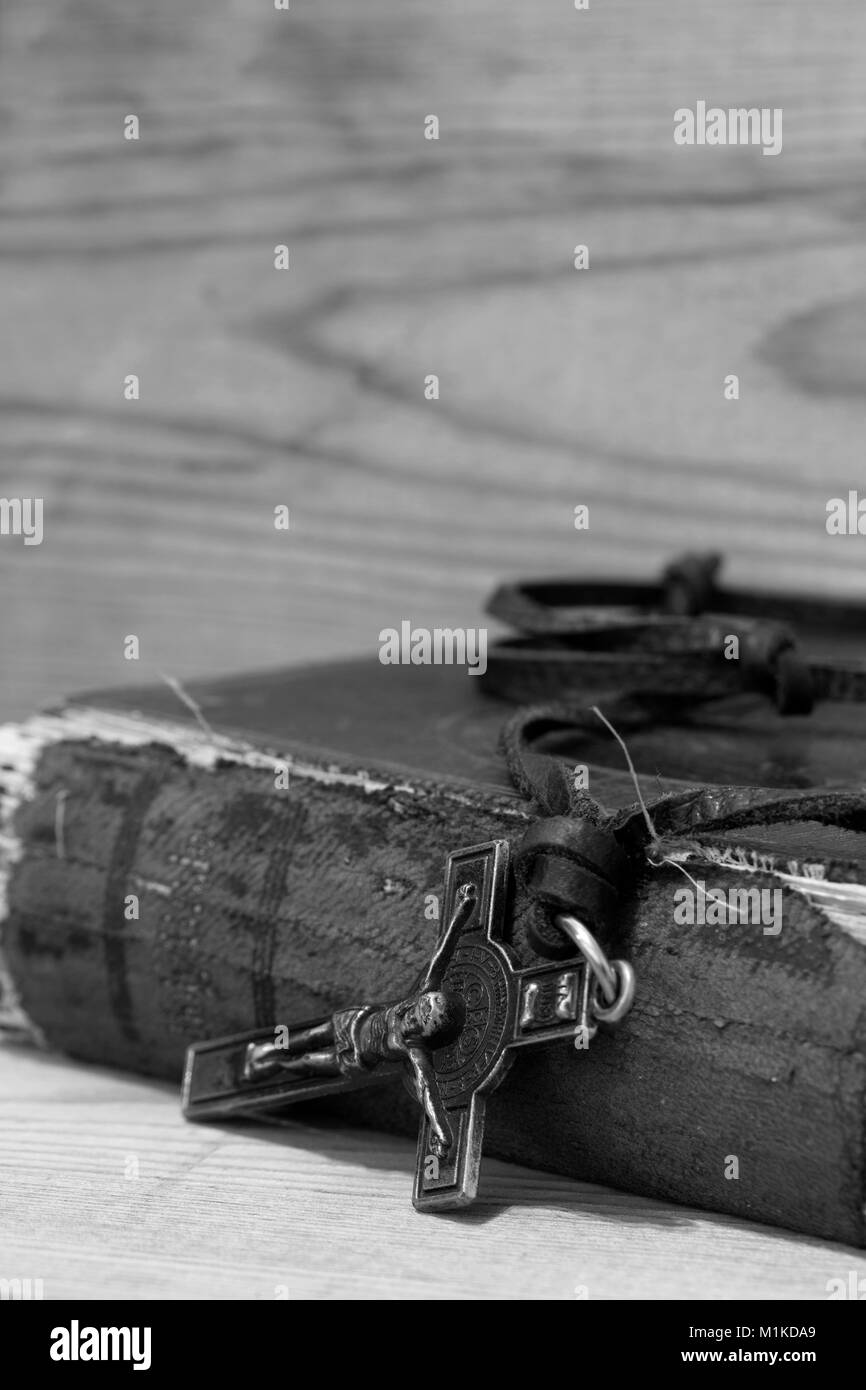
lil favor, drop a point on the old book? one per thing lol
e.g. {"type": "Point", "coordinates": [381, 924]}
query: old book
{"type": "Point", "coordinates": [185, 865]}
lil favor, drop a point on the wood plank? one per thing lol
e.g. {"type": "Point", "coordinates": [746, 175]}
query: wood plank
{"type": "Point", "coordinates": [306, 387]}
{"type": "Point", "coordinates": [318, 1211]}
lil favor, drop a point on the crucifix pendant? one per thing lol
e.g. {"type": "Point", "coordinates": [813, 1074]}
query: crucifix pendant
{"type": "Point", "coordinates": [452, 1039]}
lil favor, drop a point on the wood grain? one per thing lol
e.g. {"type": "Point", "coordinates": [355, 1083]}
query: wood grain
{"type": "Point", "coordinates": [306, 387]}
{"type": "Point", "coordinates": [408, 256]}
{"type": "Point", "coordinates": [248, 1212]}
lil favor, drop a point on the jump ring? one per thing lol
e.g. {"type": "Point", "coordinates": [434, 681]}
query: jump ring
{"type": "Point", "coordinates": [617, 1010]}
{"type": "Point", "coordinates": [592, 954]}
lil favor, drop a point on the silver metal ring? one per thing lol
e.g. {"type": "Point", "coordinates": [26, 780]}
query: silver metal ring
{"type": "Point", "coordinates": [592, 954]}
{"type": "Point", "coordinates": [614, 1012]}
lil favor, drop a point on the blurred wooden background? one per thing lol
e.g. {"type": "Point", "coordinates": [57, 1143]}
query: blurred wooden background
{"type": "Point", "coordinates": [305, 387]}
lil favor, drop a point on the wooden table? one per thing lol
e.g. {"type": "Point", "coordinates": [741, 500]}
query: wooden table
{"type": "Point", "coordinates": [261, 387]}
{"type": "Point", "coordinates": [108, 1193]}
{"type": "Point", "coordinates": [305, 387]}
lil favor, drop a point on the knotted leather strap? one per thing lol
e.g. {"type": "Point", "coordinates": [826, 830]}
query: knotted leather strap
{"type": "Point", "coordinates": [687, 587]}
{"type": "Point", "coordinates": [650, 649]}
{"type": "Point", "coordinates": [659, 640]}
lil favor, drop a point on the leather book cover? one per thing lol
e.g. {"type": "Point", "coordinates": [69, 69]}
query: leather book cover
{"type": "Point", "coordinates": [185, 865]}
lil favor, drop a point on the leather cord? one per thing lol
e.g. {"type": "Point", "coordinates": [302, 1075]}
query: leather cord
{"type": "Point", "coordinates": [687, 587]}
{"type": "Point", "coordinates": [660, 640]}
{"type": "Point", "coordinates": [650, 650]}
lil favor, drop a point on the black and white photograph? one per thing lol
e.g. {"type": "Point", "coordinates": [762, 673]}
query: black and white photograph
{"type": "Point", "coordinates": [433, 695]}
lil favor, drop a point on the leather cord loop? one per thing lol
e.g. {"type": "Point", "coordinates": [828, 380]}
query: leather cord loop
{"type": "Point", "coordinates": [678, 812]}
{"type": "Point", "coordinates": [539, 776]}
{"type": "Point", "coordinates": [583, 640]}
{"type": "Point", "coordinates": [570, 866]}
{"type": "Point", "coordinates": [687, 588]}
{"type": "Point", "coordinates": [648, 649]}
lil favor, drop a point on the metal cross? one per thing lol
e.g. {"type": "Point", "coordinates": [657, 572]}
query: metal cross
{"type": "Point", "coordinates": [453, 1038]}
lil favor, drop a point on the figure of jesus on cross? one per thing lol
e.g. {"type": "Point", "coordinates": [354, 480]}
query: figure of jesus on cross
{"type": "Point", "coordinates": [356, 1040]}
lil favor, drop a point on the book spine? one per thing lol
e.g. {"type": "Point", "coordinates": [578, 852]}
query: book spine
{"type": "Point", "coordinates": [21, 746]}
{"type": "Point", "coordinates": [192, 889]}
